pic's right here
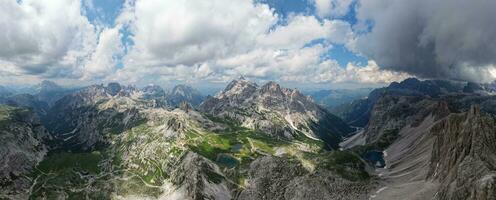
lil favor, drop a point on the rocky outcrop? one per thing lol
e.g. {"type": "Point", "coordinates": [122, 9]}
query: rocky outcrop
{"type": "Point", "coordinates": [393, 112]}
{"type": "Point", "coordinates": [278, 111]}
{"type": "Point", "coordinates": [282, 179]}
{"type": "Point", "coordinates": [464, 156]}
{"type": "Point", "coordinates": [200, 178]}
{"type": "Point", "coordinates": [23, 146]}
{"type": "Point", "coordinates": [80, 120]}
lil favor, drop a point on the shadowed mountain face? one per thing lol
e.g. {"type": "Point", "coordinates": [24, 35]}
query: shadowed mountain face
{"type": "Point", "coordinates": [50, 92]}
{"type": "Point", "coordinates": [357, 113]}
{"type": "Point", "coordinates": [279, 111]}
{"type": "Point", "coordinates": [184, 93]}
{"type": "Point", "coordinates": [23, 146]}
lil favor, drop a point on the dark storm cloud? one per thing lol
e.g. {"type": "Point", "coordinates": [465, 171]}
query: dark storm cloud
{"type": "Point", "coordinates": [453, 39]}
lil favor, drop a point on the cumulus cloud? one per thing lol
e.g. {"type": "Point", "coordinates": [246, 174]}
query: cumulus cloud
{"type": "Point", "coordinates": [190, 32]}
{"type": "Point", "coordinates": [223, 39]}
{"type": "Point", "coordinates": [182, 40]}
{"type": "Point", "coordinates": [431, 38]}
{"type": "Point", "coordinates": [44, 38]}
{"type": "Point", "coordinates": [330, 71]}
{"type": "Point", "coordinates": [105, 56]}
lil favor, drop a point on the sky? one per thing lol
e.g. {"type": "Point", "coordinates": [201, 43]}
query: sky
{"type": "Point", "coordinates": [300, 43]}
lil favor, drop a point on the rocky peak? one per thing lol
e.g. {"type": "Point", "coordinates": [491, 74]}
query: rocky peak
{"type": "Point", "coordinates": [239, 83]}
{"type": "Point", "coordinates": [185, 106]}
{"type": "Point", "coordinates": [238, 89]}
{"type": "Point", "coordinates": [113, 88]}
{"type": "Point", "coordinates": [272, 88]}
{"type": "Point", "coordinates": [153, 91]}
{"type": "Point", "coordinates": [185, 93]}
{"type": "Point", "coordinates": [48, 86]}
{"type": "Point", "coordinates": [183, 90]}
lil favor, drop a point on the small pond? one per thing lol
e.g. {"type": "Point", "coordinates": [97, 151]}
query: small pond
{"type": "Point", "coordinates": [227, 160]}
{"type": "Point", "coordinates": [375, 158]}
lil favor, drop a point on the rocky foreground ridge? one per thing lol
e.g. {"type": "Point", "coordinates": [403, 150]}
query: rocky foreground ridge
{"type": "Point", "coordinates": [23, 146]}
{"type": "Point", "coordinates": [430, 147]}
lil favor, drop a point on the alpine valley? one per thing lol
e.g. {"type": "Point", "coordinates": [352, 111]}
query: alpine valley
{"type": "Point", "coordinates": [416, 139]}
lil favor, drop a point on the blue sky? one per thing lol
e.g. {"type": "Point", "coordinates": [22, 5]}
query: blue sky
{"type": "Point", "coordinates": [304, 43]}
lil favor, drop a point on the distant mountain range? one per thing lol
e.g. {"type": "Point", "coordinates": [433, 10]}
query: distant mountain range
{"type": "Point", "coordinates": [331, 99]}
{"type": "Point", "coordinates": [357, 112]}
{"type": "Point", "coordinates": [427, 139]}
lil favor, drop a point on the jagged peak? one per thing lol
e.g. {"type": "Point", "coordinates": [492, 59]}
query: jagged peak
{"type": "Point", "coordinates": [239, 84]}
{"type": "Point", "coordinates": [47, 85]}
{"type": "Point", "coordinates": [271, 86]}
{"type": "Point", "coordinates": [182, 87]}
{"type": "Point", "coordinates": [113, 88]}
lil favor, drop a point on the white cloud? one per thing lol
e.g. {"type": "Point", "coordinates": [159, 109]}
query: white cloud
{"type": "Point", "coordinates": [181, 40]}
{"type": "Point", "coordinates": [222, 39]}
{"type": "Point", "coordinates": [47, 38]}
{"type": "Point", "coordinates": [330, 71]}
{"type": "Point", "coordinates": [190, 32]}
{"type": "Point", "coordinates": [104, 59]}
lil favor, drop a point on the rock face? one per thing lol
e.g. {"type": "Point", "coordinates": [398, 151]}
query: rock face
{"type": "Point", "coordinates": [153, 92]}
{"type": "Point", "coordinates": [282, 179]}
{"type": "Point", "coordinates": [80, 120]}
{"type": "Point", "coordinates": [200, 178]}
{"type": "Point", "coordinates": [358, 112]}
{"type": "Point", "coordinates": [464, 156]}
{"type": "Point", "coordinates": [281, 112]}
{"type": "Point", "coordinates": [441, 151]}
{"type": "Point", "coordinates": [184, 93]}
{"type": "Point", "coordinates": [393, 112]}
{"type": "Point", "coordinates": [23, 146]}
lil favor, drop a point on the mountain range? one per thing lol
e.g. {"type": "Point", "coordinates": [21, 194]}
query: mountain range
{"type": "Point", "coordinates": [430, 139]}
